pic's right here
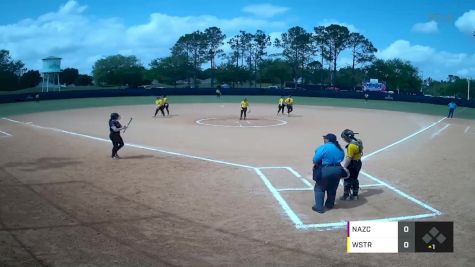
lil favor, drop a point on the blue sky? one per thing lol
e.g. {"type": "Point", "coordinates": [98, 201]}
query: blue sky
{"type": "Point", "coordinates": [435, 35]}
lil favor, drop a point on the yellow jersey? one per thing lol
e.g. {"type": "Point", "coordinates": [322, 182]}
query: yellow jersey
{"type": "Point", "coordinates": [165, 100]}
{"type": "Point", "coordinates": [353, 151]}
{"type": "Point", "coordinates": [159, 102]}
{"type": "Point", "coordinates": [289, 101]}
{"type": "Point", "coordinates": [281, 101]}
{"type": "Point", "coordinates": [244, 104]}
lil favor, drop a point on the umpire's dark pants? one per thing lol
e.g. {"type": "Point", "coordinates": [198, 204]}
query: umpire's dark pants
{"type": "Point", "coordinates": [117, 142]}
{"type": "Point", "coordinates": [451, 113]}
{"type": "Point", "coordinates": [326, 181]}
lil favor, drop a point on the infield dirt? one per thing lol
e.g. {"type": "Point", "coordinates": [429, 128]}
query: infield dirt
{"type": "Point", "coordinates": [64, 202]}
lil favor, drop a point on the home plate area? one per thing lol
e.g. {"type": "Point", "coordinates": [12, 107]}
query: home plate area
{"type": "Point", "coordinates": [378, 200]}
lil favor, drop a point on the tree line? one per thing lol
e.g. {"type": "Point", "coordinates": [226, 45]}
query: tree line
{"type": "Point", "coordinates": [299, 58]}
{"type": "Point", "coordinates": [303, 58]}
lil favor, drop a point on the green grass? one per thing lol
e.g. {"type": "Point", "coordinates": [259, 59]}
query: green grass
{"type": "Point", "coordinates": [52, 105]}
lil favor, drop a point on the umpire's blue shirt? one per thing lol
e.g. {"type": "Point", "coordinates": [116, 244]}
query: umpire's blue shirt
{"type": "Point", "coordinates": [327, 154]}
{"type": "Point", "coordinates": [452, 105]}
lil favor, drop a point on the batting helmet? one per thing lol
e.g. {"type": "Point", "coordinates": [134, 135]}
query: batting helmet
{"type": "Point", "coordinates": [114, 116]}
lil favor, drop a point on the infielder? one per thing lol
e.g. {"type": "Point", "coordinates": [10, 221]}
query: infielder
{"type": "Point", "coordinates": [165, 104]}
{"type": "Point", "coordinates": [352, 161]}
{"type": "Point", "coordinates": [281, 105]}
{"type": "Point", "coordinates": [289, 102]}
{"type": "Point", "coordinates": [159, 106]}
{"type": "Point", "coordinates": [244, 106]}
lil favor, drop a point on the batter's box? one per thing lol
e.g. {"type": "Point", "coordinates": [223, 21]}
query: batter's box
{"type": "Point", "coordinates": [285, 178]}
{"type": "Point", "coordinates": [379, 201]}
{"type": "Point", "coordinates": [5, 134]}
{"type": "Point", "coordinates": [373, 203]}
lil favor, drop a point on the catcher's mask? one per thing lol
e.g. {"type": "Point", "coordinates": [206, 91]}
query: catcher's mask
{"type": "Point", "coordinates": [348, 135]}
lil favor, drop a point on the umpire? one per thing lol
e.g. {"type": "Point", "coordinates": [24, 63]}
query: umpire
{"type": "Point", "coordinates": [354, 152]}
{"type": "Point", "coordinates": [115, 127]}
{"type": "Point", "coordinates": [327, 172]}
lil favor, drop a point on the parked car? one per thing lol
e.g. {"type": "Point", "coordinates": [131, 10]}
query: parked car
{"type": "Point", "coordinates": [332, 88]}
{"type": "Point", "coordinates": [273, 87]}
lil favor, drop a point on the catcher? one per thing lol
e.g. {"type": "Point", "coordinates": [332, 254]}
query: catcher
{"type": "Point", "coordinates": [352, 161]}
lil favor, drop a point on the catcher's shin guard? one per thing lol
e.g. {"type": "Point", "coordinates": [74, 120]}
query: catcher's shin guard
{"type": "Point", "coordinates": [355, 187]}
{"type": "Point", "coordinates": [346, 190]}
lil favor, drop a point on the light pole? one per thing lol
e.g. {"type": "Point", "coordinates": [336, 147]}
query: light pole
{"type": "Point", "coordinates": [422, 78]}
{"type": "Point", "coordinates": [468, 88]}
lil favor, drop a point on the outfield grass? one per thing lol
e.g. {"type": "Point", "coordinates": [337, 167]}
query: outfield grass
{"type": "Point", "coordinates": [52, 105]}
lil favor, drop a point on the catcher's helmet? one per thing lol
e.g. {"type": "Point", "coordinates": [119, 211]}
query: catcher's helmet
{"type": "Point", "coordinates": [348, 135]}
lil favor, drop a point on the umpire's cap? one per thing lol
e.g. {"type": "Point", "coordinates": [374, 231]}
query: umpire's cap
{"type": "Point", "coordinates": [330, 137]}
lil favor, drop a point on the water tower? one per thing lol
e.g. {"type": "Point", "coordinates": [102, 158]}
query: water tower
{"type": "Point", "coordinates": [51, 70]}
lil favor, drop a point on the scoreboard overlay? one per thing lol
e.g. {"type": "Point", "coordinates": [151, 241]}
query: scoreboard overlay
{"type": "Point", "coordinates": [395, 237]}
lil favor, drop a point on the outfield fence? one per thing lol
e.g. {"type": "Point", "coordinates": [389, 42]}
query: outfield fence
{"type": "Point", "coordinates": [232, 91]}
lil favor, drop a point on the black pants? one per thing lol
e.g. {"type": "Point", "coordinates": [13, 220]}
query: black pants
{"type": "Point", "coordinates": [281, 108]}
{"type": "Point", "coordinates": [243, 112]}
{"type": "Point", "coordinates": [117, 143]}
{"type": "Point", "coordinates": [159, 109]}
{"type": "Point", "coordinates": [166, 107]}
{"type": "Point", "coordinates": [351, 183]}
{"type": "Point", "coordinates": [290, 108]}
{"type": "Point", "coordinates": [451, 113]}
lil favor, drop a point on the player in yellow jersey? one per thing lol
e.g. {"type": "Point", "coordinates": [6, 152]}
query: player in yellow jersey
{"type": "Point", "coordinates": [289, 102]}
{"type": "Point", "coordinates": [352, 161]}
{"type": "Point", "coordinates": [165, 104]}
{"type": "Point", "coordinates": [159, 106]}
{"type": "Point", "coordinates": [281, 105]}
{"type": "Point", "coordinates": [244, 106]}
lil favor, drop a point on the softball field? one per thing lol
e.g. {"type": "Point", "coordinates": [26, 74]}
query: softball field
{"type": "Point", "coordinates": [201, 188]}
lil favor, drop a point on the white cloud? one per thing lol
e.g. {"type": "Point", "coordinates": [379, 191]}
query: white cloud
{"type": "Point", "coordinates": [327, 22]}
{"type": "Point", "coordinates": [433, 63]}
{"type": "Point", "coordinates": [466, 22]}
{"type": "Point", "coordinates": [426, 27]}
{"type": "Point", "coordinates": [265, 10]}
{"type": "Point", "coordinates": [81, 39]}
